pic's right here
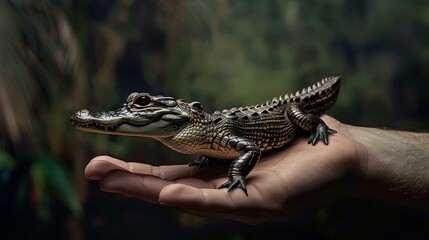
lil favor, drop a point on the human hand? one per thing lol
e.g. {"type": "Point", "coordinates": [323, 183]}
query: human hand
{"type": "Point", "coordinates": [295, 179]}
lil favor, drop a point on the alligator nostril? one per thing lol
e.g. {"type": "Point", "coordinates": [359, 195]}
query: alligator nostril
{"type": "Point", "coordinates": [83, 112]}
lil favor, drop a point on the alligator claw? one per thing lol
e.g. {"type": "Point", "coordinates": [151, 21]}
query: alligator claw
{"type": "Point", "coordinates": [321, 132]}
{"type": "Point", "coordinates": [235, 182]}
{"type": "Point", "coordinates": [202, 161]}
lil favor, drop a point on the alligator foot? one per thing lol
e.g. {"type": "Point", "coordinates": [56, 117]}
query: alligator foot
{"type": "Point", "coordinates": [321, 132]}
{"type": "Point", "coordinates": [235, 182]}
{"type": "Point", "coordinates": [202, 161]}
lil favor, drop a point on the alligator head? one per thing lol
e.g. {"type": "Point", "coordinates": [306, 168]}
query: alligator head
{"type": "Point", "coordinates": [141, 115]}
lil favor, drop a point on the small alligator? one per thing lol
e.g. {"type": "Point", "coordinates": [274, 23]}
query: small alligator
{"type": "Point", "coordinates": [237, 133]}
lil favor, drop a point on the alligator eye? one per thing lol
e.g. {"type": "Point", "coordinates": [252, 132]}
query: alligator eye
{"type": "Point", "coordinates": [142, 101]}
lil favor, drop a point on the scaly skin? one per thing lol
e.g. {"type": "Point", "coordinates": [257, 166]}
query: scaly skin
{"type": "Point", "coordinates": [237, 133]}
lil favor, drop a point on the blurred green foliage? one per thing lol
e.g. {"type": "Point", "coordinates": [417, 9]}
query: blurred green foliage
{"type": "Point", "coordinates": [57, 57]}
{"type": "Point", "coordinates": [48, 175]}
{"type": "Point", "coordinates": [39, 74]}
{"type": "Point", "coordinates": [216, 48]}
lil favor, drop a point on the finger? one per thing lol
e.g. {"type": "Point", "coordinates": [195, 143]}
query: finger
{"type": "Point", "coordinates": [132, 185]}
{"type": "Point", "coordinates": [101, 165]}
{"type": "Point", "coordinates": [171, 172]}
{"type": "Point", "coordinates": [193, 198]}
{"type": "Point", "coordinates": [146, 187]}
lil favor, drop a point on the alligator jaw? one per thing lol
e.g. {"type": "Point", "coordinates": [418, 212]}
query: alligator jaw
{"type": "Point", "coordinates": [121, 122]}
{"type": "Point", "coordinates": [103, 122]}
{"type": "Point", "coordinates": [93, 126]}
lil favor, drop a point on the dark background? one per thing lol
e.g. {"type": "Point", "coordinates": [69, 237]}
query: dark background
{"type": "Point", "coordinates": [57, 57]}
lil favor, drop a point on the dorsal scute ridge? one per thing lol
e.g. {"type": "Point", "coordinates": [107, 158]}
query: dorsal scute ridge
{"type": "Point", "coordinates": [308, 92]}
{"type": "Point", "coordinates": [276, 103]}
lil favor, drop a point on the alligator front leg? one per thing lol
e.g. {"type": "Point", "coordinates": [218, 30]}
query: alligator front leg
{"type": "Point", "coordinates": [310, 123]}
{"type": "Point", "coordinates": [241, 166]}
{"type": "Point", "coordinates": [202, 161]}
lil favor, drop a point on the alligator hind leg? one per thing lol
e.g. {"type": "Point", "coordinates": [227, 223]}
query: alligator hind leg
{"type": "Point", "coordinates": [310, 123]}
{"type": "Point", "coordinates": [240, 167]}
{"type": "Point", "coordinates": [321, 133]}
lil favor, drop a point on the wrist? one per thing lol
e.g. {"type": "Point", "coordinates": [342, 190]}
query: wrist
{"type": "Point", "coordinates": [392, 165]}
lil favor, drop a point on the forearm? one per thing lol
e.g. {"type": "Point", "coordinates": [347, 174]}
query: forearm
{"type": "Point", "coordinates": [396, 166]}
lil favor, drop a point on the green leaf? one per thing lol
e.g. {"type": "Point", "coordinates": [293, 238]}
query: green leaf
{"type": "Point", "coordinates": [50, 177]}
{"type": "Point", "coordinates": [6, 161]}
{"type": "Point", "coordinates": [40, 188]}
